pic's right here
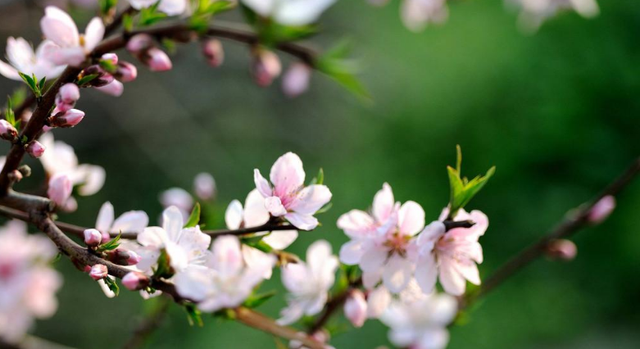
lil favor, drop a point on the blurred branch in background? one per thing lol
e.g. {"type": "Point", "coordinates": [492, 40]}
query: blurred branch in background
{"type": "Point", "coordinates": [571, 224]}
{"type": "Point", "coordinates": [150, 323]}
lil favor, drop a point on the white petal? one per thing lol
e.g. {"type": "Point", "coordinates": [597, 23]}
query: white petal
{"type": "Point", "coordinates": [351, 252]}
{"type": "Point", "coordinates": [261, 184]}
{"type": "Point", "coordinates": [93, 178]}
{"type": "Point", "coordinates": [9, 72]}
{"type": "Point", "coordinates": [194, 283]}
{"type": "Point", "coordinates": [173, 7]}
{"type": "Point", "coordinates": [290, 314]}
{"type": "Point", "coordinates": [451, 280]}
{"type": "Point", "coordinates": [255, 258]}
{"type": "Point", "coordinates": [310, 199]}
{"type": "Point", "coordinates": [287, 174]}
{"type": "Point", "coordinates": [356, 223]}
{"type": "Point", "coordinates": [154, 237]}
{"type": "Point", "coordinates": [377, 302]}
{"type": "Point", "coordinates": [429, 235]}
{"type": "Point", "coordinates": [280, 240]}
{"type": "Point", "coordinates": [371, 278]}
{"type": "Point", "coordinates": [411, 218]}
{"type": "Point", "coordinates": [274, 206]}
{"type": "Point", "coordinates": [227, 256]}
{"type": "Point", "coordinates": [93, 34]}
{"type": "Point", "coordinates": [131, 222]}
{"type": "Point", "coordinates": [397, 273]}
{"type": "Point", "coordinates": [373, 259]}
{"type": "Point", "coordinates": [302, 222]}
{"type": "Point", "coordinates": [172, 222]}
{"type": "Point", "coordinates": [383, 203]}
{"type": "Point", "coordinates": [255, 213]}
{"type": "Point", "coordinates": [426, 272]}
{"type": "Point", "coordinates": [233, 215]}
{"type": "Point", "coordinates": [59, 27]}
{"type": "Point", "coordinates": [105, 217]}
{"type": "Point", "coordinates": [300, 12]}
{"type": "Point", "coordinates": [261, 7]}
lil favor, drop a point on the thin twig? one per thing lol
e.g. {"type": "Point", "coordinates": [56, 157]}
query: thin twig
{"type": "Point", "coordinates": [572, 223]}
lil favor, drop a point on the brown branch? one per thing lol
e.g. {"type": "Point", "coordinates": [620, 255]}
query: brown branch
{"type": "Point", "coordinates": [572, 223]}
{"type": "Point", "coordinates": [261, 322]}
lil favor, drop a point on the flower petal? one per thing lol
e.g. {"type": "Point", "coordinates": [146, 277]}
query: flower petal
{"type": "Point", "coordinates": [261, 184]}
{"type": "Point", "coordinates": [255, 213]}
{"type": "Point", "coordinates": [351, 252]}
{"type": "Point", "coordinates": [397, 273]}
{"type": "Point", "coordinates": [280, 240]}
{"type": "Point", "coordinates": [93, 34]}
{"type": "Point", "coordinates": [451, 280]}
{"type": "Point", "coordinates": [59, 27]}
{"type": "Point", "coordinates": [287, 174]}
{"type": "Point", "coordinates": [426, 272]}
{"type": "Point", "coordinates": [383, 203]}
{"type": "Point", "coordinates": [172, 222]}
{"type": "Point", "coordinates": [274, 206]}
{"type": "Point", "coordinates": [227, 257]}
{"type": "Point", "coordinates": [356, 223]}
{"type": "Point", "coordinates": [410, 218]}
{"type": "Point", "coordinates": [105, 217]}
{"type": "Point", "coordinates": [233, 215]}
{"type": "Point", "coordinates": [301, 221]}
{"type": "Point", "coordinates": [131, 222]}
{"type": "Point", "coordinates": [310, 199]}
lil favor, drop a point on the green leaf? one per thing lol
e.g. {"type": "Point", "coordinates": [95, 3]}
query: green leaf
{"type": "Point", "coordinates": [127, 22]}
{"type": "Point", "coordinates": [41, 83]}
{"type": "Point", "coordinates": [110, 245]}
{"type": "Point", "coordinates": [32, 83]}
{"type": "Point", "coordinates": [343, 72]}
{"type": "Point", "coordinates": [164, 269]}
{"type": "Point", "coordinates": [194, 316]}
{"type": "Point", "coordinates": [256, 300]}
{"type": "Point", "coordinates": [194, 218]}
{"type": "Point", "coordinates": [106, 6]}
{"type": "Point", "coordinates": [112, 284]}
{"type": "Point", "coordinates": [108, 66]}
{"type": "Point", "coordinates": [461, 189]}
{"type": "Point", "coordinates": [10, 116]}
{"type": "Point", "coordinates": [86, 79]}
{"type": "Point", "coordinates": [151, 15]}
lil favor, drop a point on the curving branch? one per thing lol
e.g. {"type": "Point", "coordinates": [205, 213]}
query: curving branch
{"type": "Point", "coordinates": [574, 221]}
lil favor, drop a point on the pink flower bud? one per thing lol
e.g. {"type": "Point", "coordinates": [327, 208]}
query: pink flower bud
{"type": "Point", "coordinates": [139, 43]}
{"type": "Point", "coordinates": [602, 209]}
{"type": "Point", "coordinates": [92, 237]}
{"type": "Point", "coordinates": [266, 67]}
{"type": "Point", "coordinates": [67, 97]}
{"type": "Point", "coordinates": [126, 72]}
{"type": "Point", "coordinates": [35, 149]}
{"type": "Point", "coordinates": [7, 131]}
{"type": "Point", "coordinates": [110, 57]}
{"type": "Point", "coordinates": [355, 308]}
{"type": "Point", "coordinates": [296, 80]}
{"type": "Point", "coordinates": [105, 236]}
{"type": "Point", "coordinates": [562, 249]}
{"type": "Point", "coordinates": [213, 51]}
{"type": "Point", "coordinates": [69, 118]}
{"type": "Point", "coordinates": [134, 281]}
{"type": "Point", "coordinates": [60, 188]}
{"type": "Point", "coordinates": [98, 272]}
{"type": "Point", "coordinates": [115, 88]}
{"type": "Point", "coordinates": [157, 60]}
{"type": "Point", "coordinates": [103, 78]}
{"type": "Point", "coordinates": [123, 256]}
{"type": "Point", "coordinates": [204, 186]}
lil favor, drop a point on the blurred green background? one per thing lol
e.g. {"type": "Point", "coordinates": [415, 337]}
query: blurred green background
{"type": "Point", "coordinates": [557, 113]}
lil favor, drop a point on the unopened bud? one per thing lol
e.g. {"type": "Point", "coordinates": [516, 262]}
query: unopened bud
{"type": "Point", "coordinates": [135, 281]}
{"type": "Point", "coordinates": [115, 88]}
{"type": "Point", "coordinates": [25, 170]}
{"type": "Point", "coordinates": [296, 80]}
{"type": "Point", "coordinates": [213, 51]}
{"type": "Point", "coordinates": [35, 149]}
{"type": "Point", "coordinates": [92, 237]}
{"type": "Point", "coordinates": [102, 77]}
{"type": "Point", "coordinates": [110, 57]}
{"type": "Point", "coordinates": [60, 188]}
{"type": "Point", "coordinates": [123, 256]}
{"type": "Point", "coordinates": [67, 97]}
{"type": "Point", "coordinates": [562, 249]}
{"type": "Point", "coordinates": [157, 60]}
{"type": "Point", "coordinates": [99, 272]}
{"type": "Point", "coordinates": [69, 118]}
{"type": "Point", "coordinates": [355, 308]}
{"type": "Point", "coordinates": [204, 185]}
{"type": "Point", "coordinates": [602, 209]}
{"type": "Point", "coordinates": [126, 72]}
{"type": "Point", "coordinates": [266, 67]}
{"type": "Point", "coordinates": [139, 43]}
{"type": "Point", "coordinates": [7, 131]}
